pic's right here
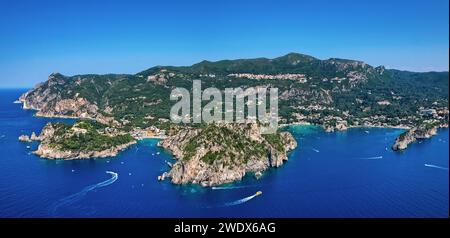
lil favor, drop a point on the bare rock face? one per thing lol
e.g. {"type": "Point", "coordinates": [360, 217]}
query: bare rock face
{"type": "Point", "coordinates": [47, 132]}
{"type": "Point", "coordinates": [329, 128]}
{"type": "Point", "coordinates": [198, 172]}
{"type": "Point", "coordinates": [414, 134]}
{"type": "Point", "coordinates": [177, 142]}
{"type": "Point", "coordinates": [320, 95]}
{"type": "Point", "coordinates": [425, 133]}
{"type": "Point", "coordinates": [341, 126]}
{"type": "Point", "coordinates": [34, 137]}
{"type": "Point", "coordinates": [223, 153]}
{"type": "Point", "coordinates": [48, 101]}
{"type": "Point", "coordinates": [42, 94]}
{"type": "Point", "coordinates": [79, 106]}
{"type": "Point", "coordinates": [158, 78]}
{"type": "Point", "coordinates": [24, 138]}
{"type": "Point", "coordinates": [404, 140]}
{"type": "Point", "coordinates": [47, 151]}
{"type": "Point", "coordinates": [290, 142]}
{"type": "Point", "coordinates": [276, 158]}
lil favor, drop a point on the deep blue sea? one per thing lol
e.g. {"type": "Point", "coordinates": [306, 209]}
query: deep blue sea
{"type": "Point", "coordinates": [343, 174]}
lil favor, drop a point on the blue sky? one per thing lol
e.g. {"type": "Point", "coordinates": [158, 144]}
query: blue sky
{"type": "Point", "coordinates": [77, 37]}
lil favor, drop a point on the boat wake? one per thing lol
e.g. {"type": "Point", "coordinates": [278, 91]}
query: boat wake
{"type": "Point", "coordinates": [240, 201]}
{"type": "Point", "coordinates": [230, 187]}
{"type": "Point", "coordinates": [435, 166]}
{"type": "Point", "coordinates": [315, 150]}
{"type": "Point", "coordinates": [237, 202]}
{"type": "Point", "coordinates": [78, 196]}
{"type": "Point", "coordinates": [370, 158]}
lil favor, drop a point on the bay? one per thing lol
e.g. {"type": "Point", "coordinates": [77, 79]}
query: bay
{"type": "Point", "coordinates": [343, 174]}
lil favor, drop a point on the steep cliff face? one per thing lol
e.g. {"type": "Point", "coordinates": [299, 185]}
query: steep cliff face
{"type": "Point", "coordinates": [45, 95]}
{"type": "Point", "coordinates": [48, 152]}
{"type": "Point", "coordinates": [276, 157]}
{"type": "Point", "coordinates": [414, 134]}
{"type": "Point", "coordinates": [52, 99]}
{"type": "Point", "coordinates": [223, 153]}
{"type": "Point", "coordinates": [404, 140]}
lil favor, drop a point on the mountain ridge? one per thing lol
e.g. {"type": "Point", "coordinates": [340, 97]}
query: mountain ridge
{"type": "Point", "coordinates": [279, 58]}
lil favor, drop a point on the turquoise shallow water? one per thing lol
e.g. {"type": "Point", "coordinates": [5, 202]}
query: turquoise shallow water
{"type": "Point", "coordinates": [343, 174]}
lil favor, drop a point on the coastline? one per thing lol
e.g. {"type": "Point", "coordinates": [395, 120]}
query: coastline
{"type": "Point", "coordinates": [162, 137]}
{"type": "Point", "coordinates": [349, 127]}
{"type": "Point", "coordinates": [50, 154]}
{"type": "Point", "coordinates": [301, 123]}
{"type": "Point", "coordinates": [45, 152]}
{"type": "Point", "coordinates": [150, 137]}
{"type": "Point", "coordinates": [289, 182]}
{"type": "Point", "coordinates": [383, 127]}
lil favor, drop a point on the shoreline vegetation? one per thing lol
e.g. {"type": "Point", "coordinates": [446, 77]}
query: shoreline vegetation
{"type": "Point", "coordinates": [349, 127]}
{"type": "Point", "coordinates": [116, 110]}
{"type": "Point", "coordinates": [82, 140]}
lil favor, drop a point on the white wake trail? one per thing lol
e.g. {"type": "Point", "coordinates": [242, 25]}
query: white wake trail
{"type": "Point", "coordinates": [370, 158]}
{"type": "Point", "coordinates": [240, 201]}
{"type": "Point", "coordinates": [230, 187]}
{"type": "Point", "coordinates": [78, 196]}
{"type": "Point", "coordinates": [316, 150]}
{"type": "Point", "coordinates": [435, 166]}
{"type": "Point", "coordinates": [237, 202]}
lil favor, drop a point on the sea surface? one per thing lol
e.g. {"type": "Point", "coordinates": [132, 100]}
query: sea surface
{"type": "Point", "coordinates": [342, 174]}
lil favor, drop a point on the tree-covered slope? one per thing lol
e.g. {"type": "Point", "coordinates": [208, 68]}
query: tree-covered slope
{"type": "Point", "coordinates": [327, 92]}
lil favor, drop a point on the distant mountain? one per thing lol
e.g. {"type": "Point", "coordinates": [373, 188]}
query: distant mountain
{"type": "Point", "coordinates": [290, 63]}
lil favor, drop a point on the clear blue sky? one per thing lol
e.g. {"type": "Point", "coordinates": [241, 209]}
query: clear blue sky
{"type": "Point", "coordinates": [76, 37]}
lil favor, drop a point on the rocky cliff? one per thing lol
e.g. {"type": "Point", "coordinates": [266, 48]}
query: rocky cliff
{"type": "Point", "coordinates": [79, 141]}
{"type": "Point", "coordinates": [223, 153]}
{"type": "Point", "coordinates": [51, 99]}
{"type": "Point", "coordinates": [48, 152]}
{"type": "Point", "coordinates": [417, 133]}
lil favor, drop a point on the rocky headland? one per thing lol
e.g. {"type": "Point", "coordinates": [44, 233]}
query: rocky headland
{"type": "Point", "coordinates": [422, 132]}
{"type": "Point", "coordinates": [80, 141]}
{"type": "Point", "coordinates": [224, 153]}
